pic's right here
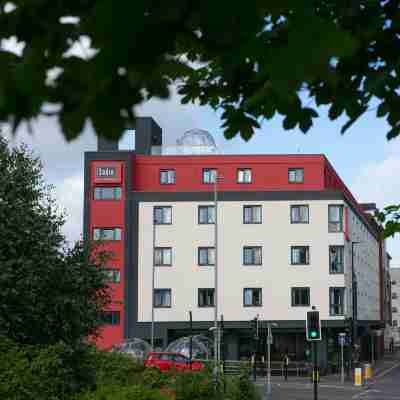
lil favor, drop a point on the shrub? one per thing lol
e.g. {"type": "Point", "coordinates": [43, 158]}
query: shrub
{"type": "Point", "coordinates": [194, 386]}
{"type": "Point", "coordinates": [241, 388]}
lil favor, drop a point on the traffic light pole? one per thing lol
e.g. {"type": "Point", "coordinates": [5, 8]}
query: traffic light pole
{"type": "Point", "coordinates": [315, 373]}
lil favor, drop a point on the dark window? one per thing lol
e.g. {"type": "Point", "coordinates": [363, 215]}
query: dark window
{"type": "Point", "coordinates": [107, 193]}
{"type": "Point", "coordinates": [335, 217]}
{"type": "Point", "coordinates": [113, 275]}
{"type": "Point", "coordinates": [394, 282]}
{"type": "Point", "coordinates": [300, 255]}
{"type": "Point", "coordinates": [300, 297]}
{"type": "Point", "coordinates": [209, 175]}
{"type": "Point", "coordinates": [107, 234]}
{"type": "Point", "coordinates": [163, 256]}
{"type": "Point", "coordinates": [394, 310]}
{"type": "Point", "coordinates": [110, 317]}
{"type": "Point", "coordinates": [394, 323]}
{"type": "Point", "coordinates": [252, 255]}
{"type": "Point", "coordinates": [244, 175]}
{"type": "Point", "coordinates": [167, 177]}
{"type": "Point", "coordinates": [336, 259]}
{"type": "Point", "coordinates": [252, 214]}
{"type": "Point", "coordinates": [162, 298]}
{"type": "Point", "coordinates": [336, 301]}
{"type": "Point", "coordinates": [163, 215]}
{"type": "Point", "coordinates": [206, 256]}
{"type": "Point", "coordinates": [252, 297]}
{"type": "Point", "coordinates": [206, 297]}
{"type": "Point", "coordinates": [296, 175]}
{"type": "Point", "coordinates": [299, 214]}
{"type": "Point", "coordinates": [206, 215]}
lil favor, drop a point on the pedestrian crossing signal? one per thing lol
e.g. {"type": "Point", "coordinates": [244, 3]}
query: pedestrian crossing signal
{"type": "Point", "coordinates": [313, 326]}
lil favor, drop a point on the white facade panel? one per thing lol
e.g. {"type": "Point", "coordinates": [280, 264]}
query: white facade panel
{"type": "Point", "coordinates": [276, 276]}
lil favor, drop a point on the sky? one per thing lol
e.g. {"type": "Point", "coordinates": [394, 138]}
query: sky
{"type": "Point", "coordinates": [365, 160]}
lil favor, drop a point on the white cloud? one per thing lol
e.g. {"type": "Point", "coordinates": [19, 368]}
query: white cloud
{"type": "Point", "coordinates": [379, 182]}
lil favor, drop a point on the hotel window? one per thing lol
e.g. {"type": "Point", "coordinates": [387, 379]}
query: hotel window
{"type": "Point", "coordinates": [162, 298]}
{"type": "Point", "coordinates": [113, 275]}
{"type": "Point", "coordinates": [209, 175]}
{"type": "Point", "coordinates": [300, 297]}
{"type": "Point", "coordinates": [110, 317]}
{"type": "Point", "coordinates": [206, 297]}
{"type": "Point", "coordinates": [163, 215]}
{"type": "Point", "coordinates": [335, 217]}
{"type": "Point", "coordinates": [206, 256]}
{"type": "Point", "coordinates": [300, 255]}
{"type": "Point", "coordinates": [244, 175]}
{"type": "Point", "coordinates": [163, 256]}
{"type": "Point", "coordinates": [107, 193]}
{"type": "Point", "coordinates": [107, 234]}
{"type": "Point", "coordinates": [167, 177]}
{"type": "Point", "coordinates": [336, 301]}
{"type": "Point", "coordinates": [206, 215]}
{"type": "Point", "coordinates": [336, 259]}
{"type": "Point", "coordinates": [252, 255]}
{"type": "Point", "coordinates": [252, 215]}
{"type": "Point", "coordinates": [252, 297]}
{"type": "Point", "coordinates": [299, 214]}
{"type": "Point", "coordinates": [296, 175]}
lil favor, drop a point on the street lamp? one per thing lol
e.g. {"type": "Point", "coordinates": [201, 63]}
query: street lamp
{"type": "Point", "coordinates": [269, 342]}
{"type": "Point", "coordinates": [216, 333]}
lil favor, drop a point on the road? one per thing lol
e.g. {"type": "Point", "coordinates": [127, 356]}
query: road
{"type": "Point", "coordinates": [385, 387]}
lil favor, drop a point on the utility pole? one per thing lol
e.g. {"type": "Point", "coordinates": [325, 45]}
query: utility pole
{"type": "Point", "coordinates": [269, 342]}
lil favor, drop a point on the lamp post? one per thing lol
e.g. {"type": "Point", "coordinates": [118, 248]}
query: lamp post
{"type": "Point", "coordinates": [269, 342]}
{"type": "Point", "coordinates": [153, 280]}
{"type": "Point", "coordinates": [216, 333]}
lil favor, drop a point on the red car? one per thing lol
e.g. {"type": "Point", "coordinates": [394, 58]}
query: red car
{"type": "Point", "coordinates": [166, 361]}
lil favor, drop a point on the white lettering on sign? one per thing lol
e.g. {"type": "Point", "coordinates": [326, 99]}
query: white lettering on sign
{"type": "Point", "coordinates": [105, 172]}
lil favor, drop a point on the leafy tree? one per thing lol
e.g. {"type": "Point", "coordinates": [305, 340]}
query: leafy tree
{"type": "Point", "coordinates": [251, 61]}
{"type": "Point", "coordinates": [48, 292]}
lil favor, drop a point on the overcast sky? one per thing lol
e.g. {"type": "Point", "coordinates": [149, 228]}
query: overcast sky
{"type": "Point", "coordinates": [367, 163]}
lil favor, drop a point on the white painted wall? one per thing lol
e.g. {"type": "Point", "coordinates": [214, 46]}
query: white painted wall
{"type": "Point", "coordinates": [276, 276]}
{"type": "Point", "coordinates": [366, 266]}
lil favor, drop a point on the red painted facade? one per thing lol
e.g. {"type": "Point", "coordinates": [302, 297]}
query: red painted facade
{"type": "Point", "coordinates": [110, 214]}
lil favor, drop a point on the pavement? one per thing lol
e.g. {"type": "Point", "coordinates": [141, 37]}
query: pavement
{"type": "Point", "coordinates": [384, 385]}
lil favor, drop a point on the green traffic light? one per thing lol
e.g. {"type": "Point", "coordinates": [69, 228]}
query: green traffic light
{"type": "Point", "coordinates": [313, 334]}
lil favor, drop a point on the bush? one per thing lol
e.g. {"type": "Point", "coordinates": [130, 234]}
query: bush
{"type": "Point", "coordinates": [240, 388]}
{"type": "Point", "coordinates": [194, 386]}
{"type": "Point", "coordinates": [117, 392]}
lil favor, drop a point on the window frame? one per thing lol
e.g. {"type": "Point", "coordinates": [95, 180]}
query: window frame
{"type": "Point", "coordinates": [307, 255]}
{"type": "Point", "coordinates": [342, 289]}
{"type": "Point", "coordinates": [154, 256]}
{"type": "Point", "coordinates": [199, 249]}
{"type": "Point", "coordinates": [155, 208]}
{"type": "Point", "coordinates": [166, 290]}
{"type": "Point", "coordinates": [113, 314]}
{"type": "Point", "coordinates": [251, 207]}
{"type": "Point", "coordinates": [254, 258]}
{"type": "Point", "coordinates": [198, 298]}
{"type": "Point", "coordinates": [198, 214]}
{"type": "Point", "coordinates": [107, 270]}
{"type": "Point", "coordinates": [209, 170]}
{"type": "Point", "coordinates": [292, 294]}
{"type": "Point", "coordinates": [307, 206]}
{"type": "Point", "coordinates": [252, 289]}
{"type": "Point", "coordinates": [341, 207]}
{"type": "Point", "coordinates": [238, 175]}
{"type": "Point", "coordinates": [116, 189]}
{"type": "Point", "coordinates": [108, 229]}
{"type": "Point", "coordinates": [296, 169]}
{"type": "Point", "coordinates": [341, 248]}
{"type": "Point", "coordinates": [167, 170]}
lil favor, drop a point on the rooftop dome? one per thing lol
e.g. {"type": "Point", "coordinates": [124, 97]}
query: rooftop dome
{"type": "Point", "coordinates": [197, 141]}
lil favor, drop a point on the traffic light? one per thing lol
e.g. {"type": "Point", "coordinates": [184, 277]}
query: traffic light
{"type": "Point", "coordinates": [254, 327]}
{"type": "Point", "coordinates": [313, 326]}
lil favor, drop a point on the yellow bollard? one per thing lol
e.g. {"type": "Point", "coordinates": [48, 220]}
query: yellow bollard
{"type": "Point", "coordinates": [357, 377]}
{"type": "Point", "coordinates": [367, 372]}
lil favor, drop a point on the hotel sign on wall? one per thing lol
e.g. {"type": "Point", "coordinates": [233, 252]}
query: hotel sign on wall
{"type": "Point", "coordinates": [110, 171]}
